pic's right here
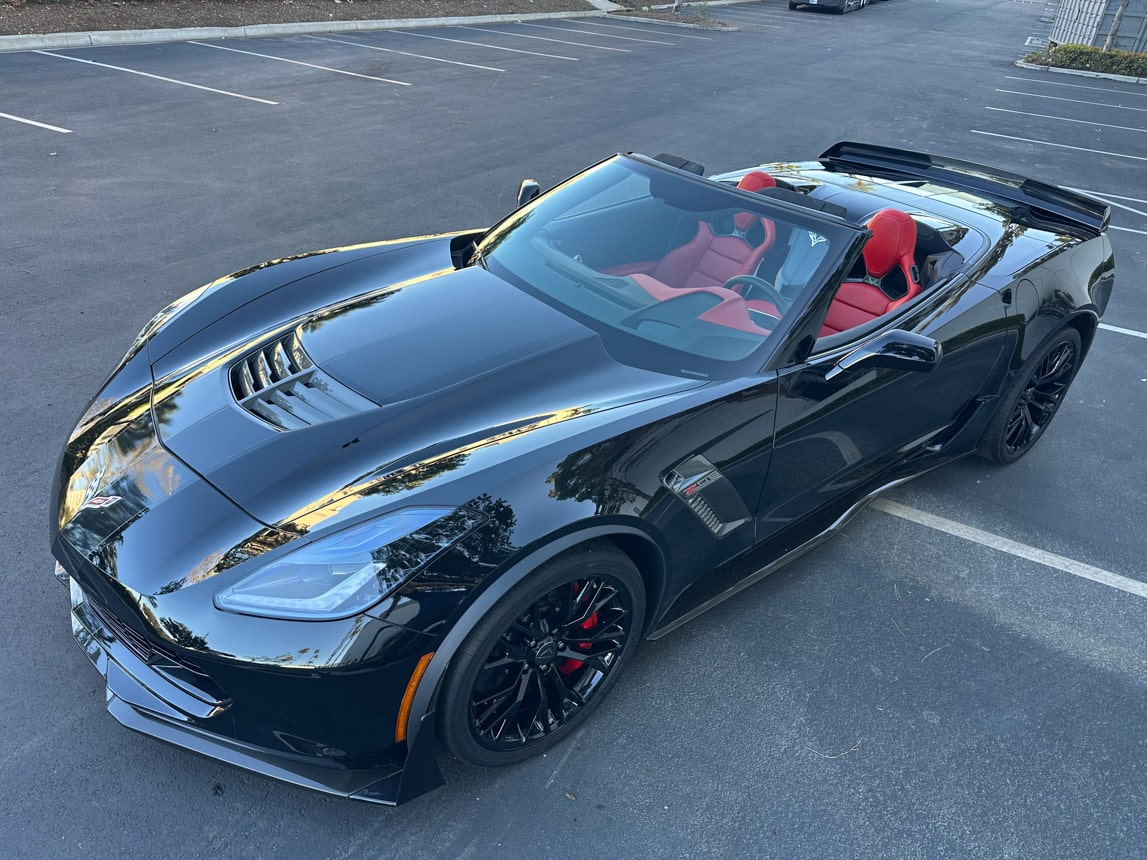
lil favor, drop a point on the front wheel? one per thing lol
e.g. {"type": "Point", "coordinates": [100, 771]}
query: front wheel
{"type": "Point", "coordinates": [1032, 399]}
{"type": "Point", "coordinates": [543, 658]}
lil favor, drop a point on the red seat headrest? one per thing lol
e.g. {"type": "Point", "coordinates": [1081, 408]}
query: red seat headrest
{"type": "Point", "coordinates": [756, 180]}
{"type": "Point", "coordinates": [893, 238]}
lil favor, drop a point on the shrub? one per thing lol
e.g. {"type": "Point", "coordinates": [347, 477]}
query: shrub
{"type": "Point", "coordinates": [1091, 59]}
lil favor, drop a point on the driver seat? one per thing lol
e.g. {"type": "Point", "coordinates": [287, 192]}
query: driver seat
{"type": "Point", "coordinates": [891, 278]}
{"type": "Point", "coordinates": [711, 259]}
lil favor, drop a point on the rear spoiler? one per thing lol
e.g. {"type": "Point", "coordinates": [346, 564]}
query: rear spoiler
{"type": "Point", "coordinates": [1049, 200]}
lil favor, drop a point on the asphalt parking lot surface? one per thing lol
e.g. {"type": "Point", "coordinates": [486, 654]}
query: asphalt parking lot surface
{"type": "Point", "coordinates": [901, 692]}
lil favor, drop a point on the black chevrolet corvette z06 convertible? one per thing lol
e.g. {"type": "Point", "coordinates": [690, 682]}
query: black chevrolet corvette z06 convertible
{"type": "Point", "coordinates": [334, 511]}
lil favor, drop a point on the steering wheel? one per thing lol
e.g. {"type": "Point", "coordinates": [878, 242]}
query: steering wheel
{"type": "Point", "coordinates": [771, 292]}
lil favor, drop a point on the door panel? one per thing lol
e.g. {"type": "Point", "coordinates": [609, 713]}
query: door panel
{"type": "Point", "coordinates": [833, 437]}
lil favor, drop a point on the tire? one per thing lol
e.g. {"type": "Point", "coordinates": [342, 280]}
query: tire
{"type": "Point", "coordinates": [516, 686]}
{"type": "Point", "coordinates": [1032, 398]}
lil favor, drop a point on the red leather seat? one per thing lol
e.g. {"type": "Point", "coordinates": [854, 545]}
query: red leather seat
{"type": "Point", "coordinates": [889, 258]}
{"type": "Point", "coordinates": [710, 259]}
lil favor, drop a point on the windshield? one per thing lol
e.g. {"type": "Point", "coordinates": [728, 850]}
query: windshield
{"type": "Point", "coordinates": [676, 273]}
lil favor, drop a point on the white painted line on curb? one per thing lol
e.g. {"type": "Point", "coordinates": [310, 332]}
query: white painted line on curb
{"type": "Point", "coordinates": [1075, 86]}
{"type": "Point", "coordinates": [1068, 119]}
{"type": "Point", "coordinates": [405, 53]}
{"type": "Point", "coordinates": [1021, 550]}
{"type": "Point", "coordinates": [1060, 145]}
{"type": "Point", "coordinates": [1118, 330]}
{"type": "Point", "coordinates": [484, 45]}
{"type": "Point", "coordinates": [601, 35]}
{"type": "Point", "coordinates": [157, 77]}
{"type": "Point", "coordinates": [1073, 101]}
{"type": "Point", "coordinates": [547, 39]}
{"type": "Point", "coordinates": [300, 63]}
{"type": "Point", "coordinates": [649, 30]}
{"type": "Point", "coordinates": [37, 124]}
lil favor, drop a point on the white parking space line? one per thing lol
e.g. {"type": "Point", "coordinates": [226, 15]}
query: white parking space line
{"type": "Point", "coordinates": [158, 78]}
{"type": "Point", "coordinates": [484, 45]}
{"type": "Point", "coordinates": [547, 39]}
{"type": "Point", "coordinates": [1073, 86]}
{"type": "Point", "coordinates": [405, 53]}
{"type": "Point", "coordinates": [1127, 230]}
{"type": "Point", "coordinates": [1118, 330]}
{"type": "Point", "coordinates": [641, 30]}
{"type": "Point", "coordinates": [301, 63]}
{"type": "Point", "coordinates": [1073, 101]}
{"type": "Point", "coordinates": [1112, 202]}
{"type": "Point", "coordinates": [599, 35]}
{"type": "Point", "coordinates": [1021, 550]}
{"type": "Point", "coordinates": [1105, 195]}
{"type": "Point", "coordinates": [37, 124]}
{"type": "Point", "coordinates": [1059, 145]}
{"type": "Point", "coordinates": [1113, 197]}
{"type": "Point", "coordinates": [1068, 119]}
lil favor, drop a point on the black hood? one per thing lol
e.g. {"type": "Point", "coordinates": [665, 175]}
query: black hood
{"type": "Point", "coordinates": [443, 361]}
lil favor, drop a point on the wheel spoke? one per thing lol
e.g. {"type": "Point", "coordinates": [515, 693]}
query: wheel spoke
{"type": "Point", "coordinates": [549, 661]}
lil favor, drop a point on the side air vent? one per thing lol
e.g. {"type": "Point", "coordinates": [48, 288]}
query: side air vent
{"type": "Point", "coordinates": [280, 384]}
{"type": "Point", "coordinates": [708, 494]}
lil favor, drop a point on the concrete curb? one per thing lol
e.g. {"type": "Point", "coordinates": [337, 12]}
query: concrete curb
{"type": "Point", "coordinates": [1082, 73]}
{"type": "Point", "coordinates": [102, 38]}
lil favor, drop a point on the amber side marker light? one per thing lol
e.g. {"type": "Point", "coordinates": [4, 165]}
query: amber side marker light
{"type": "Point", "coordinates": [408, 697]}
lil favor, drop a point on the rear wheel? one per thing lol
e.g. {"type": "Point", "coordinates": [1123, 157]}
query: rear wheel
{"type": "Point", "coordinates": [1032, 399]}
{"type": "Point", "coordinates": [543, 658]}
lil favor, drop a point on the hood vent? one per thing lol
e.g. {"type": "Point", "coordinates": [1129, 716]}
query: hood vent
{"type": "Point", "coordinates": [280, 384]}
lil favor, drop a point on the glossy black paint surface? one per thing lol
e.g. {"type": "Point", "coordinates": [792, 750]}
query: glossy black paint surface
{"type": "Point", "coordinates": [485, 397]}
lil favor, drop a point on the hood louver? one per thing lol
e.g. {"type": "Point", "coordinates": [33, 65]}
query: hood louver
{"type": "Point", "coordinates": [280, 384]}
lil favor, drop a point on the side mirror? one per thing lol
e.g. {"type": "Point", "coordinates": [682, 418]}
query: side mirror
{"type": "Point", "coordinates": [527, 191]}
{"type": "Point", "coordinates": [896, 349]}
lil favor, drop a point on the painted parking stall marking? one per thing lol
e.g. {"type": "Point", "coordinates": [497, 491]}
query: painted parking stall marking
{"type": "Point", "coordinates": [1067, 119]}
{"type": "Point", "coordinates": [484, 45]}
{"type": "Point", "coordinates": [405, 53]}
{"type": "Point", "coordinates": [301, 63]}
{"type": "Point", "coordinates": [612, 26]}
{"type": "Point", "coordinates": [1120, 330]}
{"type": "Point", "coordinates": [27, 121]}
{"type": "Point", "coordinates": [1022, 550]}
{"type": "Point", "coordinates": [157, 77]}
{"type": "Point", "coordinates": [599, 34]}
{"type": "Point", "coordinates": [1059, 145]}
{"type": "Point", "coordinates": [547, 39]}
{"type": "Point", "coordinates": [1073, 101]}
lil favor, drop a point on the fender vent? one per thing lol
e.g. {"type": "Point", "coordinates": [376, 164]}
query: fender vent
{"type": "Point", "coordinates": [708, 494]}
{"type": "Point", "coordinates": [281, 385]}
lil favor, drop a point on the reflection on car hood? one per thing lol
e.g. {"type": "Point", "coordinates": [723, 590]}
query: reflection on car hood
{"type": "Point", "coordinates": [450, 359]}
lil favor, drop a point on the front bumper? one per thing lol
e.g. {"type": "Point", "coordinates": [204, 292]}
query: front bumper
{"type": "Point", "coordinates": [155, 694]}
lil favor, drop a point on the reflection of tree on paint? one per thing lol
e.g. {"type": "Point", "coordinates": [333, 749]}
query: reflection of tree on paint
{"type": "Point", "coordinates": [492, 541]}
{"type": "Point", "coordinates": [181, 634]}
{"type": "Point", "coordinates": [593, 475]}
{"type": "Point", "coordinates": [415, 476]}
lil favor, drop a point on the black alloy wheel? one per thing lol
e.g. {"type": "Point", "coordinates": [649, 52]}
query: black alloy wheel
{"type": "Point", "coordinates": [543, 658]}
{"type": "Point", "coordinates": [1033, 398]}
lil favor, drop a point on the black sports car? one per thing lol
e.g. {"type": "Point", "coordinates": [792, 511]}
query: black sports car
{"type": "Point", "coordinates": [334, 509]}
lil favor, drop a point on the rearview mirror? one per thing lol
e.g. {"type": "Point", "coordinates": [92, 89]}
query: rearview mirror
{"type": "Point", "coordinates": [527, 191]}
{"type": "Point", "coordinates": [896, 350]}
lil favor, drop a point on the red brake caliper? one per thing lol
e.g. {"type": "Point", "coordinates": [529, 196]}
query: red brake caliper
{"type": "Point", "coordinates": [568, 664]}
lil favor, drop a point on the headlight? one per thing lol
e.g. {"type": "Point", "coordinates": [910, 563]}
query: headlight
{"type": "Point", "coordinates": [349, 571]}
